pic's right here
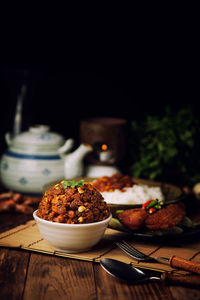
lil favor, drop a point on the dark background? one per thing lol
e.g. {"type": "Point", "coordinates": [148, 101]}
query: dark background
{"type": "Point", "coordinates": [62, 99]}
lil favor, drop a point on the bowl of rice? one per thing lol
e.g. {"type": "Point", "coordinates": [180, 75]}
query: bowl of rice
{"type": "Point", "coordinates": [123, 192]}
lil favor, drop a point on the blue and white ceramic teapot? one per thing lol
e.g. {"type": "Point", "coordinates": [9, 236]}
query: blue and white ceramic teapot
{"type": "Point", "coordinates": [37, 157]}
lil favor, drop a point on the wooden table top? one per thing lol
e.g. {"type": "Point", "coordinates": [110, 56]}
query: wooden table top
{"type": "Point", "coordinates": [29, 275]}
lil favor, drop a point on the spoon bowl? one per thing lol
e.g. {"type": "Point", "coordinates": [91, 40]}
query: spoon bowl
{"type": "Point", "coordinates": [125, 272]}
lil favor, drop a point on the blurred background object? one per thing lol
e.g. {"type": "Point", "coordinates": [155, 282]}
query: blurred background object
{"type": "Point", "coordinates": [108, 137]}
{"type": "Point", "coordinates": [32, 159]}
{"type": "Point", "coordinates": [63, 100]}
{"type": "Point", "coordinates": [166, 146]}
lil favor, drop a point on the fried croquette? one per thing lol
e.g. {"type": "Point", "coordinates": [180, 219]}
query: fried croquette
{"type": "Point", "coordinates": [133, 218]}
{"type": "Point", "coordinates": [167, 217]}
{"type": "Point", "coordinates": [164, 218]}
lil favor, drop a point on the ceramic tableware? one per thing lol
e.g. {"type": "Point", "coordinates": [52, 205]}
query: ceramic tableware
{"type": "Point", "coordinates": [71, 238]}
{"type": "Point", "coordinates": [39, 156]}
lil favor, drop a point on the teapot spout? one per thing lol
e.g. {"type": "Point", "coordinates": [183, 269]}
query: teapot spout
{"type": "Point", "coordinates": [74, 161]}
{"type": "Point", "coordinates": [82, 150]}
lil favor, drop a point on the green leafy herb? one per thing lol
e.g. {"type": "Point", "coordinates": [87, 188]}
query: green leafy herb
{"type": "Point", "coordinates": [166, 147]}
{"type": "Point", "coordinates": [72, 183]}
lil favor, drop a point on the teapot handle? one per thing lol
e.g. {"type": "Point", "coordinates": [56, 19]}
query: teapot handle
{"type": "Point", "coordinates": [8, 138]}
{"type": "Point", "coordinates": [66, 147]}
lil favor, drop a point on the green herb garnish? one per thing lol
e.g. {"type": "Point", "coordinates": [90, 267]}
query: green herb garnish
{"type": "Point", "coordinates": [72, 183]}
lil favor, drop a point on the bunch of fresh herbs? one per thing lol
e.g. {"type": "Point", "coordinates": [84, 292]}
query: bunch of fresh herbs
{"type": "Point", "coordinates": [167, 147]}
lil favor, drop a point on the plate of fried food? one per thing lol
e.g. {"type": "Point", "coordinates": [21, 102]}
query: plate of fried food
{"type": "Point", "coordinates": [153, 220]}
{"type": "Point", "coordinates": [146, 208]}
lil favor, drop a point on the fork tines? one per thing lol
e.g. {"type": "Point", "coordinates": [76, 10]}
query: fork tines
{"type": "Point", "coordinates": [130, 250]}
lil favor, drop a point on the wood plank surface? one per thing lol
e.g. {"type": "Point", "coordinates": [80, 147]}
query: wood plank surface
{"type": "Point", "coordinates": [13, 271]}
{"type": "Point", "coordinates": [110, 288]}
{"type": "Point", "coordinates": [181, 293]}
{"type": "Point", "coordinates": [50, 277]}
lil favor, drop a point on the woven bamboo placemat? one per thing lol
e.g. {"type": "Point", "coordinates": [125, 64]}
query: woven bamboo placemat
{"type": "Point", "coordinates": [28, 237]}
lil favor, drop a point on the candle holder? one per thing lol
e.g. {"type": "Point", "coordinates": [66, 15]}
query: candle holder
{"type": "Point", "coordinates": [107, 136]}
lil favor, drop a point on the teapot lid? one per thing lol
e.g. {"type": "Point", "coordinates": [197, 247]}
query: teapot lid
{"type": "Point", "coordinates": [38, 138]}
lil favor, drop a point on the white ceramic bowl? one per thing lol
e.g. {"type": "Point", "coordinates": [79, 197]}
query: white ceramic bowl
{"type": "Point", "coordinates": [71, 238]}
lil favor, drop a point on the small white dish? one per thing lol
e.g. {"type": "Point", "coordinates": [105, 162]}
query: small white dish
{"type": "Point", "coordinates": [71, 238]}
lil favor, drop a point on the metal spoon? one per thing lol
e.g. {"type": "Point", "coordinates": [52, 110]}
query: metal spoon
{"type": "Point", "coordinates": [133, 275]}
{"type": "Point", "coordinates": [125, 271]}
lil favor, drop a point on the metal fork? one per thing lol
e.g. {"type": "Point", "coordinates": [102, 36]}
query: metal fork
{"type": "Point", "coordinates": [174, 261]}
{"type": "Point", "coordinates": [138, 255]}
